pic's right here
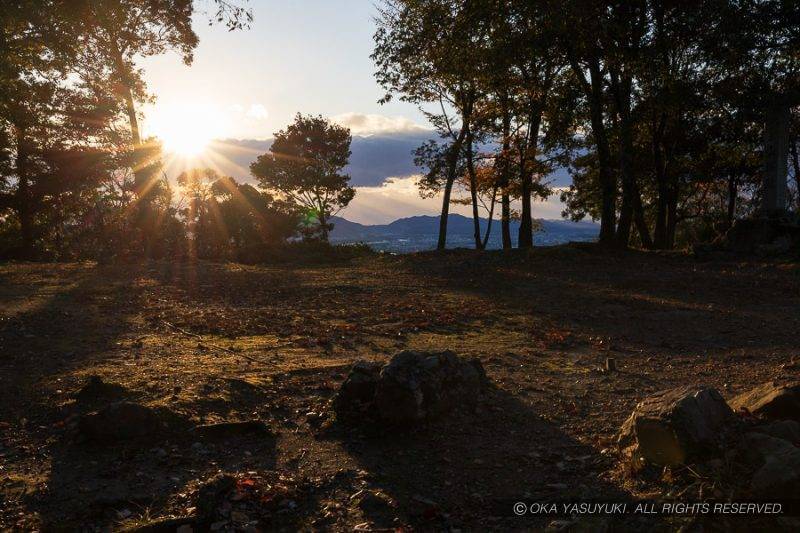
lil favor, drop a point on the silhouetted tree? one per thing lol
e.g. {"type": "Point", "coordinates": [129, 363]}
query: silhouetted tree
{"type": "Point", "coordinates": [304, 165]}
{"type": "Point", "coordinates": [432, 53]}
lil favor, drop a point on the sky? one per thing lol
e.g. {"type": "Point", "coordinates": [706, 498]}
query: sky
{"type": "Point", "coordinates": [305, 55]}
{"type": "Point", "coordinates": [309, 56]}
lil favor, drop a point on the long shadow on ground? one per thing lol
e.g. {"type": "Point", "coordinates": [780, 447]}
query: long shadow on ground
{"type": "Point", "coordinates": [466, 470]}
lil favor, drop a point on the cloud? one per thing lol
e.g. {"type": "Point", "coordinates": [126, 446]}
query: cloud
{"type": "Point", "coordinates": [367, 124]}
{"type": "Point", "coordinates": [258, 112]}
{"type": "Point", "coordinates": [399, 197]}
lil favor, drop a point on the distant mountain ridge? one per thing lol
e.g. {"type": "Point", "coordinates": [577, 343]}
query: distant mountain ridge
{"type": "Point", "coordinates": [420, 232]}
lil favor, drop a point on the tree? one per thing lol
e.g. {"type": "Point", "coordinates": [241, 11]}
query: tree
{"type": "Point", "coordinates": [304, 165]}
{"type": "Point", "coordinates": [117, 33]}
{"type": "Point", "coordinates": [432, 53]}
{"type": "Point", "coordinates": [229, 220]}
{"type": "Point", "coordinates": [51, 152]}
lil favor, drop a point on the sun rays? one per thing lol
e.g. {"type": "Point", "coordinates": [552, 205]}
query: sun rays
{"type": "Point", "coordinates": [187, 129]}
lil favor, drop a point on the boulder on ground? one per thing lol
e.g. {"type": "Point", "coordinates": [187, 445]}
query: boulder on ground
{"type": "Point", "coordinates": [776, 463]}
{"type": "Point", "coordinates": [412, 387]}
{"type": "Point", "coordinates": [120, 422]}
{"type": "Point", "coordinates": [676, 426]}
{"type": "Point", "coordinates": [419, 385]}
{"type": "Point", "coordinates": [774, 402]}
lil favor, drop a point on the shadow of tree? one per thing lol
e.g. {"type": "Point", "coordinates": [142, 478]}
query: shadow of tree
{"type": "Point", "coordinates": [641, 297]}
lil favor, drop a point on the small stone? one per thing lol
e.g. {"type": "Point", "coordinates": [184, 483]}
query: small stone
{"type": "Point", "coordinates": [375, 503]}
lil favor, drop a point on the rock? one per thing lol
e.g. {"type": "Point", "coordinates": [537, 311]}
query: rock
{"type": "Point", "coordinates": [783, 429]}
{"type": "Point", "coordinates": [358, 390]}
{"type": "Point", "coordinates": [418, 385]}
{"type": "Point", "coordinates": [776, 463]}
{"type": "Point", "coordinates": [412, 387]}
{"type": "Point", "coordinates": [212, 495]}
{"type": "Point", "coordinates": [226, 430]}
{"type": "Point", "coordinates": [675, 426]}
{"type": "Point", "coordinates": [120, 422]}
{"type": "Point", "coordinates": [771, 401]}
{"type": "Point", "coordinates": [95, 389]}
{"type": "Point", "coordinates": [377, 507]}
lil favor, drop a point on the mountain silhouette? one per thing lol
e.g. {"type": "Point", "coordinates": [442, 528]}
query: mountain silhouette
{"type": "Point", "coordinates": [418, 233]}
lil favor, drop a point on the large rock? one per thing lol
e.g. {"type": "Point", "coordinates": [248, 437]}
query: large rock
{"type": "Point", "coordinates": [676, 426]}
{"type": "Point", "coordinates": [419, 385]}
{"type": "Point", "coordinates": [771, 401]}
{"type": "Point", "coordinates": [776, 465]}
{"type": "Point", "coordinates": [412, 387]}
{"type": "Point", "coordinates": [120, 422]}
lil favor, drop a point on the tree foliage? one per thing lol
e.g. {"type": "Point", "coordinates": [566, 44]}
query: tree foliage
{"type": "Point", "coordinates": [304, 165]}
{"type": "Point", "coordinates": [655, 107]}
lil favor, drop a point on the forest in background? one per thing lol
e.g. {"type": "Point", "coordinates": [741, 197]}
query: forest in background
{"type": "Point", "coordinates": [656, 107]}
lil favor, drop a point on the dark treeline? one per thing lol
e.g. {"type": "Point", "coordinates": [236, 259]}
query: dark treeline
{"type": "Point", "coordinates": [77, 178]}
{"type": "Point", "coordinates": [656, 107]}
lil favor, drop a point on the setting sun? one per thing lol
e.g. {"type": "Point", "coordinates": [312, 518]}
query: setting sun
{"type": "Point", "coordinates": [187, 129]}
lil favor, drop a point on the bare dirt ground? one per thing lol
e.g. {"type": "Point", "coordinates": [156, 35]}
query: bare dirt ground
{"type": "Point", "coordinates": [227, 342]}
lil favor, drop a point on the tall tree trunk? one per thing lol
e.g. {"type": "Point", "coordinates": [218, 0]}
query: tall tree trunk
{"type": "Point", "coordinates": [608, 181]}
{"type": "Point", "coordinates": [733, 192]}
{"type": "Point", "coordinates": [672, 216]}
{"type": "Point", "coordinates": [23, 197]}
{"type": "Point", "coordinates": [632, 210]}
{"type": "Point", "coordinates": [491, 218]}
{"type": "Point", "coordinates": [525, 239]}
{"type": "Point", "coordinates": [323, 225]}
{"type": "Point", "coordinates": [473, 191]}
{"type": "Point", "coordinates": [452, 168]}
{"type": "Point", "coordinates": [796, 166]}
{"type": "Point", "coordinates": [660, 233]}
{"type": "Point", "coordinates": [505, 175]}
{"type": "Point", "coordinates": [639, 218]}
{"type": "Point", "coordinates": [143, 175]}
{"type": "Point", "coordinates": [593, 89]}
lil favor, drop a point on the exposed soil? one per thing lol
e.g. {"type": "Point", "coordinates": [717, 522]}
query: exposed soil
{"type": "Point", "coordinates": [209, 343]}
